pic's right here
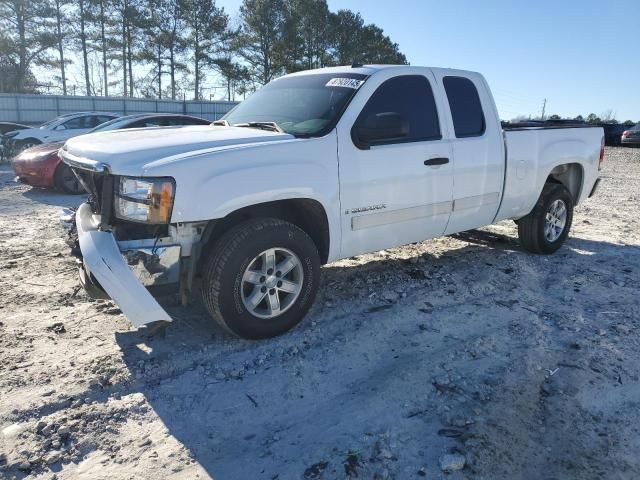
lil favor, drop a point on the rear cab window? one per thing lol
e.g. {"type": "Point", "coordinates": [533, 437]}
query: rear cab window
{"type": "Point", "coordinates": [466, 108]}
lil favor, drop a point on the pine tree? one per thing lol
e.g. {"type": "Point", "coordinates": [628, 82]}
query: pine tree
{"type": "Point", "coordinates": [208, 27]}
{"type": "Point", "coordinates": [26, 38]}
{"type": "Point", "coordinates": [261, 39]}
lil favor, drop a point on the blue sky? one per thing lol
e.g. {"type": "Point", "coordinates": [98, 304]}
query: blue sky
{"type": "Point", "coordinates": [581, 55]}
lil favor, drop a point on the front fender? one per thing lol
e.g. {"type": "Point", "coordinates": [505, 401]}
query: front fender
{"type": "Point", "coordinates": [34, 133]}
{"type": "Point", "coordinates": [212, 186]}
{"type": "Point", "coordinates": [237, 189]}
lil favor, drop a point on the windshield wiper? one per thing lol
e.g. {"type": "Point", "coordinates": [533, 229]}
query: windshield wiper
{"type": "Point", "coordinates": [271, 126]}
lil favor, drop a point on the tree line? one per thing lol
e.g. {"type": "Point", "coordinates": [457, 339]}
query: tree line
{"type": "Point", "coordinates": [592, 119]}
{"type": "Point", "coordinates": [605, 117]}
{"type": "Point", "coordinates": [170, 48]}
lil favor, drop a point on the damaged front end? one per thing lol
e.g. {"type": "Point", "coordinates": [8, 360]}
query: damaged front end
{"type": "Point", "coordinates": [127, 249]}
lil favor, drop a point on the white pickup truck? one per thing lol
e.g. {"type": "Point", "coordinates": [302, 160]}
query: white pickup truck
{"type": "Point", "coordinates": [314, 167]}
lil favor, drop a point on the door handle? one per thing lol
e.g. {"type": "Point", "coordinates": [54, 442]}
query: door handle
{"type": "Point", "coordinates": [436, 161]}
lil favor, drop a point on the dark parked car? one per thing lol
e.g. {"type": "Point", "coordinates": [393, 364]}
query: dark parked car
{"type": "Point", "coordinates": [613, 133]}
{"type": "Point", "coordinates": [144, 120]}
{"type": "Point", "coordinates": [40, 166]}
{"type": "Point", "coordinates": [11, 126]}
{"type": "Point", "coordinates": [6, 127]}
{"type": "Point", "coordinates": [631, 137]}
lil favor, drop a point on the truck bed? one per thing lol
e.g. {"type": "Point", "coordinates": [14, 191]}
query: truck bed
{"type": "Point", "coordinates": [532, 153]}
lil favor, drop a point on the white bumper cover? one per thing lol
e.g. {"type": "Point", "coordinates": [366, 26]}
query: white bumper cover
{"type": "Point", "coordinates": [102, 258]}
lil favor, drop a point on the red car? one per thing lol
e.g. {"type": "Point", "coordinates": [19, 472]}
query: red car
{"type": "Point", "coordinates": [40, 166]}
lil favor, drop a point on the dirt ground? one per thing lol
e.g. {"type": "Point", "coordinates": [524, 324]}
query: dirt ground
{"type": "Point", "coordinates": [520, 366]}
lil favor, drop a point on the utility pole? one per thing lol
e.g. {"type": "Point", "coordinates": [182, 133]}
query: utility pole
{"type": "Point", "coordinates": [544, 106]}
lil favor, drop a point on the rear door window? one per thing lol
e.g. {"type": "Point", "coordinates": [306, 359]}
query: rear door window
{"type": "Point", "coordinates": [100, 119]}
{"type": "Point", "coordinates": [465, 106]}
{"type": "Point", "coordinates": [174, 122]}
{"type": "Point", "coordinates": [92, 122]}
{"type": "Point", "coordinates": [147, 122]}
{"type": "Point", "coordinates": [75, 123]}
{"type": "Point", "coordinates": [181, 121]}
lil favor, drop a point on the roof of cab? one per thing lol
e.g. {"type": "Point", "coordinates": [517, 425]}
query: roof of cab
{"type": "Point", "coordinates": [371, 69]}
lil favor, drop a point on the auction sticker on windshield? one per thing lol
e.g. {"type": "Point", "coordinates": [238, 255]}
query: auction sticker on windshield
{"type": "Point", "coordinates": [345, 82]}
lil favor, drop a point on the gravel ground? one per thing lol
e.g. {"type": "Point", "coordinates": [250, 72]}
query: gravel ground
{"type": "Point", "coordinates": [461, 357]}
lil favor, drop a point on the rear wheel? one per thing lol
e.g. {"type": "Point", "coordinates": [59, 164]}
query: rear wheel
{"type": "Point", "coordinates": [26, 144]}
{"type": "Point", "coordinates": [261, 278]}
{"type": "Point", "coordinates": [66, 181]}
{"type": "Point", "coordinates": [546, 228]}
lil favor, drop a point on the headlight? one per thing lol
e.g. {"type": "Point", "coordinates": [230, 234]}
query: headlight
{"type": "Point", "coordinates": [146, 200]}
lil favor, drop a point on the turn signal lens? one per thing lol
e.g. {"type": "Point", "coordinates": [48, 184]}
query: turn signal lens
{"type": "Point", "coordinates": [159, 209]}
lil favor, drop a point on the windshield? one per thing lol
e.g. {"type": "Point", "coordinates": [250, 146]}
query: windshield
{"type": "Point", "coordinates": [302, 105]}
{"type": "Point", "coordinates": [53, 122]}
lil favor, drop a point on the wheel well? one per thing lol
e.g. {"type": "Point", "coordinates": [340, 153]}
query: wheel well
{"type": "Point", "coordinates": [570, 175]}
{"type": "Point", "coordinates": [305, 213]}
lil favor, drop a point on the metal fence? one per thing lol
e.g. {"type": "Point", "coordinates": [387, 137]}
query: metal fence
{"type": "Point", "coordinates": [34, 109]}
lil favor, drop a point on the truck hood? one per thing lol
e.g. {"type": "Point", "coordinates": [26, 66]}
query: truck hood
{"type": "Point", "coordinates": [129, 152]}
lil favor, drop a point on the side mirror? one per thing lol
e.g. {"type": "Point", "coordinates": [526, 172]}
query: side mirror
{"type": "Point", "coordinates": [380, 127]}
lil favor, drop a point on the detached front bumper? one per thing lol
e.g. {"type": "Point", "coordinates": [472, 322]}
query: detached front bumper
{"type": "Point", "coordinates": [104, 268]}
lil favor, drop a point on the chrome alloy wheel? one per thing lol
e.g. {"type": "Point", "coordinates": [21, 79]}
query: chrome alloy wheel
{"type": "Point", "coordinates": [272, 283]}
{"type": "Point", "coordinates": [555, 221]}
{"type": "Point", "coordinates": [26, 146]}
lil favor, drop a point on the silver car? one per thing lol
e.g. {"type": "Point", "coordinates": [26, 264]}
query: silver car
{"type": "Point", "coordinates": [56, 130]}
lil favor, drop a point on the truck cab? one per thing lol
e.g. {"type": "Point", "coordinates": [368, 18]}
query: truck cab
{"type": "Point", "coordinates": [448, 128]}
{"type": "Point", "coordinates": [314, 167]}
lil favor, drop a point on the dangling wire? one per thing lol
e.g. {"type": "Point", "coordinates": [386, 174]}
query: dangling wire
{"type": "Point", "coordinates": [155, 242]}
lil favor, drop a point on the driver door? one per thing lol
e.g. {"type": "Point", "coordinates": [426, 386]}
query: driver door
{"type": "Point", "coordinates": [396, 190]}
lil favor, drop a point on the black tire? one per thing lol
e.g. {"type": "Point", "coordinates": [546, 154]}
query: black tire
{"type": "Point", "coordinates": [26, 144]}
{"type": "Point", "coordinates": [531, 229]}
{"type": "Point", "coordinates": [66, 181]}
{"type": "Point", "coordinates": [232, 254]}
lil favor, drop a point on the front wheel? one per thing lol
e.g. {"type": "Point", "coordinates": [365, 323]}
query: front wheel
{"type": "Point", "coordinates": [546, 228]}
{"type": "Point", "coordinates": [26, 145]}
{"type": "Point", "coordinates": [261, 278]}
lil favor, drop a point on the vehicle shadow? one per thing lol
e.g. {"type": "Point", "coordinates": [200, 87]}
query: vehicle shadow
{"type": "Point", "coordinates": [271, 409]}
